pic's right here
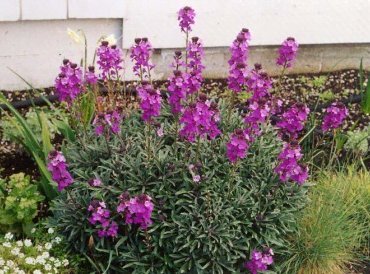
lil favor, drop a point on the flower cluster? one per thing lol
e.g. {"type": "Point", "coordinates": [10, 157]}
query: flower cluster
{"type": "Point", "coordinates": [150, 101]}
{"type": "Point", "coordinates": [101, 215]}
{"type": "Point", "coordinates": [289, 168]}
{"type": "Point", "coordinates": [238, 61]}
{"type": "Point", "coordinates": [259, 261]}
{"type": "Point", "coordinates": [186, 17]}
{"type": "Point", "coordinates": [177, 91]}
{"type": "Point", "coordinates": [237, 147]}
{"type": "Point", "coordinates": [59, 170]}
{"type": "Point", "coordinates": [68, 84]}
{"type": "Point", "coordinates": [177, 60]}
{"type": "Point", "coordinates": [258, 82]}
{"type": "Point", "coordinates": [137, 210]}
{"type": "Point", "coordinates": [95, 182]}
{"type": "Point", "coordinates": [24, 256]}
{"type": "Point", "coordinates": [109, 121]}
{"type": "Point", "coordinates": [90, 76]}
{"type": "Point", "coordinates": [200, 120]}
{"type": "Point", "coordinates": [292, 121]}
{"type": "Point", "coordinates": [109, 60]}
{"type": "Point", "coordinates": [334, 116]}
{"type": "Point", "coordinates": [195, 54]}
{"type": "Point", "coordinates": [287, 52]}
{"type": "Point", "coordinates": [140, 56]}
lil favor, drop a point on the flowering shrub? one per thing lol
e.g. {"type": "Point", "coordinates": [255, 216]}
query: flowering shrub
{"type": "Point", "coordinates": [26, 256]}
{"type": "Point", "coordinates": [187, 183]}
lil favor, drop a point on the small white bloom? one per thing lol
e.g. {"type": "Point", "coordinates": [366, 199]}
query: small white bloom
{"type": "Point", "coordinates": [40, 260]}
{"type": "Point", "coordinates": [21, 255]}
{"type": "Point", "coordinates": [37, 272]}
{"type": "Point", "coordinates": [47, 267]}
{"type": "Point", "coordinates": [10, 263]}
{"type": "Point", "coordinates": [65, 262]}
{"type": "Point", "coordinates": [19, 243]}
{"type": "Point", "coordinates": [57, 263]}
{"type": "Point", "coordinates": [2, 271]}
{"type": "Point", "coordinates": [27, 242]}
{"type": "Point", "coordinates": [50, 230]}
{"type": "Point", "coordinates": [15, 251]}
{"type": "Point", "coordinates": [2, 262]}
{"type": "Point", "coordinates": [30, 260]}
{"type": "Point", "coordinates": [111, 39]}
{"type": "Point", "coordinates": [45, 255]}
{"type": "Point", "coordinates": [33, 230]}
{"type": "Point", "coordinates": [74, 36]}
{"type": "Point", "coordinates": [57, 240]}
{"type": "Point", "coordinates": [20, 271]}
{"type": "Point", "coordinates": [39, 248]}
{"type": "Point", "coordinates": [48, 246]}
{"type": "Point", "coordinates": [7, 244]}
{"type": "Point", "coordinates": [8, 236]}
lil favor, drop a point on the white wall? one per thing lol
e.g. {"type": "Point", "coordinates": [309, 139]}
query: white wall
{"type": "Point", "coordinates": [33, 38]}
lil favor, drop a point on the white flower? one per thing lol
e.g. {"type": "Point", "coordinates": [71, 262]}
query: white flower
{"type": "Point", "coordinates": [7, 244]}
{"type": "Point", "coordinates": [48, 246]}
{"type": "Point", "coordinates": [33, 230]}
{"type": "Point", "coordinates": [2, 262]}
{"type": "Point", "coordinates": [37, 272]}
{"type": "Point", "coordinates": [40, 260]}
{"type": "Point", "coordinates": [21, 255]}
{"type": "Point", "coordinates": [2, 271]}
{"type": "Point", "coordinates": [8, 236]}
{"type": "Point", "coordinates": [47, 267]}
{"type": "Point", "coordinates": [74, 36]}
{"type": "Point", "coordinates": [20, 271]}
{"type": "Point", "coordinates": [45, 255]}
{"type": "Point", "coordinates": [65, 262]}
{"type": "Point", "coordinates": [50, 230]}
{"type": "Point", "coordinates": [27, 242]}
{"type": "Point", "coordinates": [57, 263]}
{"type": "Point", "coordinates": [111, 39]}
{"type": "Point", "coordinates": [39, 248]}
{"type": "Point", "coordinates": [19, 243]}
{"type": "Point", "coordinates": [15, 251]}
{"type": "Point", "coordinates": [30, 260]}
{"type": "Point", "coordinates": [10, 263]}
{"type": "Point", "coordinates": [57, 240]}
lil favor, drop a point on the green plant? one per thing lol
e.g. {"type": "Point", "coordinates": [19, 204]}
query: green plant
{"type": "Point", "coordinates": [205, 227]}
{"type": "Point", "coordinates": [364, 91]}
{"type": "Point", "coordinates": [327, 96]}
{"type": "Point", "coordinates": [319, 81]}
{"type": "Point", "coordinates": [358, 141]}
{"type": "Point", "coordinates": [38, 149]}
{"type": "Point", "coordinates": [19, 199]}
{"type": "Point", "coordinates": [333, 228]}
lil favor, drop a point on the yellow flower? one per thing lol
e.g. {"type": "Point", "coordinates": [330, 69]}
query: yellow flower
{"type": "Point", "coordinates": [74, 36]}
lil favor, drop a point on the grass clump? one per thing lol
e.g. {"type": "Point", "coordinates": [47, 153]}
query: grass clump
{"type": "Point", "coordinates": [333, 230]}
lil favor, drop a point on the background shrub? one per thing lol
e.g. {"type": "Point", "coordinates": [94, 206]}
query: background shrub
{"type": "Point", "coordinates": [205, 227]}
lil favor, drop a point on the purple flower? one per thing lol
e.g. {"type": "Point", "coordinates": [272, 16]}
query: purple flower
{"type": "Point", "coordinates": [90, 76]}
{"type": "Point", "coordinates": [140, 56]}
{"type": "Point", "coordinates": [137, 210]}
{"type": "Point", "coordinates": [238, 61]}
{"type": "Point", "coordinates": [289, 168]}
{"type": "Point", "coordinates": [68, 84]}
{"type": "Point", "coordinates": [258, 112]}
{"type": "Point", "coordinates": [258, 82]}
{"type": "Point", "coordinates": [108, 122]}
{"type": "Point", "coordinates": [58, 168]}
{"type": "Point", "coordinates": [177, 60]}
{"type": "Point", "coordinates": [177, 91]}
{"type": "Point", "coordinates": [292, 121]}
{"type": "Point", "coordinates": [195, 53]}
{"type": "Point", "coordinates": [100, 216]}
{"type": "Point", "coordinates": [259, 261]}
{"type": "Point", "coordinates": [334, 116]}
{"type": "Point", "coordinates": [150, 101]}
{"type": "Point", "coordinates": [186, 17]}
{"type": "Point", "coordinates": [95, 182]}
{"type": "Point", "coordinates": [237, 147]}
{"type": "Point", "coordinates": [109, 60]}
{"type": "Point", "coordinates": [200, 120]}
{"type": "Point", "coordinates": [287, 52]}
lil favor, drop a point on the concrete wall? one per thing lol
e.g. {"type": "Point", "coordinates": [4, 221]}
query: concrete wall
{"type": "Point", "coordinates": [334, 34]}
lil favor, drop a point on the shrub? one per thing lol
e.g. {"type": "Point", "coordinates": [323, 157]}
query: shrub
{"type": "Point", "coordinates": [207, 226]}
{"type": "Point", "coordinates": [333, 228]}
{"type": "Point", "coordinates": [19, 199]}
